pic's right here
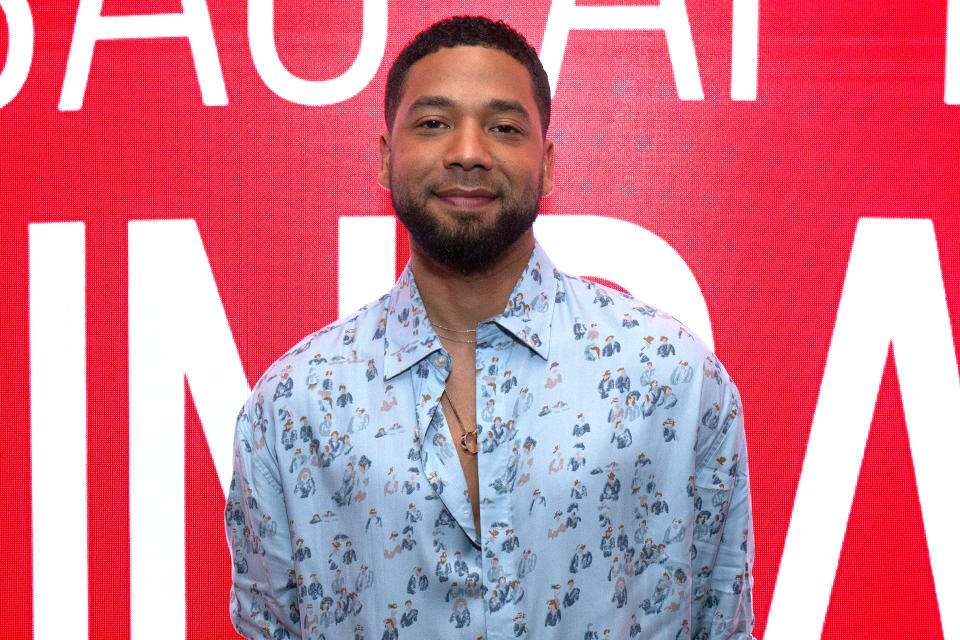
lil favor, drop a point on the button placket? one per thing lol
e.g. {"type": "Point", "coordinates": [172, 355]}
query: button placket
{"type": "Point", "coordinates": [441, 466]}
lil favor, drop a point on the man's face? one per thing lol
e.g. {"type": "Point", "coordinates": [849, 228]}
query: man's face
{"type": "Point", "coordinates": [466, 161]}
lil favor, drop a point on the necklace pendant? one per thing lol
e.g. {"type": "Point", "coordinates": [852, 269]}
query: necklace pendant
{"type": "Point", "coordinates": [468, 442]}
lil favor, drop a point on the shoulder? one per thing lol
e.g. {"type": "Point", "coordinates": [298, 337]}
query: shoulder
{"type": "Point", "coordinates": [627, 319]}
{"type": "Point", "coordinates": [345, 341]}
{"type": "Point", "coordinates": [342, 350]}
{"type": "Point", "coordinates": [648, 340]}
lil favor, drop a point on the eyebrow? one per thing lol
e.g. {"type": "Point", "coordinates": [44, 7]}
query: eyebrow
{"type": "Point", "coordinates": [431, 101]}
{"type": "Point", "coordinates": [498, 105]}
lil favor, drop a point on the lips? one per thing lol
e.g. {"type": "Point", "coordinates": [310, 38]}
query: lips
{"type": "Point", "coordinates": [460, 198]}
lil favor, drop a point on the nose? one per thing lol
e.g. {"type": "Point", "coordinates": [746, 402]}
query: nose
{"type": "Point", "coordinates": [468, 148]}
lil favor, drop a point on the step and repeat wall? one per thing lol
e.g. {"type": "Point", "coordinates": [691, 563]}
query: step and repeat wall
{"type": "Point", "coordinates": [188, 188]}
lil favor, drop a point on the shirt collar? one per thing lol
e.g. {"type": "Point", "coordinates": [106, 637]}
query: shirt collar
{"type": "Point", "coordinates": [409, 338]}
{"type": "Point", "coordinates": [527, 316]}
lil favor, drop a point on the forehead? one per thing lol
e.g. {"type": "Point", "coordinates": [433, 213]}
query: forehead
{"type": "Point", "coordinates": [468, 73]}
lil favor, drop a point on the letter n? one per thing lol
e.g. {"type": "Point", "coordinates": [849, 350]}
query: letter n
{"type": "Point", "coordinates": [178, 330]}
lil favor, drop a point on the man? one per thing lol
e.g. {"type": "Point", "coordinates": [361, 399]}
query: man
{"type": "Point", "coordinates": [479, 325]}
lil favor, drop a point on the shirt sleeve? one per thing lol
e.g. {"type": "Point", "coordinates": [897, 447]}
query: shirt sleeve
{"type": "Point", "coordinates": [723, 544]}
{"type": "Point", "coordinates": [263, 597]}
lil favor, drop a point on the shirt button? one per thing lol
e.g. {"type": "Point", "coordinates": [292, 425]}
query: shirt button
{"type": "Point", "coordinates": [441, 361]}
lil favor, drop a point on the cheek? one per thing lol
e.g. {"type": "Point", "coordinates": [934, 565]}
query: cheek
{"type": "Point", "coordinates": [411, 170]}
{"type": "Point", "coordinates": [525, 170]}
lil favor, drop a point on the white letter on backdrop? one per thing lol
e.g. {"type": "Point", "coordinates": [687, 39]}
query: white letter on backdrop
{"type": "Point", "coordinates": [58, 426]}
{"type": "Point", "coordinates": [893, 292]}
{"type": "Point", "coordinates": [951, 89]}
{"type": "Point", "coordinates": [193, 24]}
{"type": "Point", "coordinates": [263, 49]}
{"type": "Point", "coordinates": [743, 63]}
{"type": "Point", "coordinates": [177, 328]}
{"type": "Point", "coordinates": [367, 258]}
{"type": "Point", "coordinates": [19, 48]}
{"type": "Point", "coordinates": [670, 16]}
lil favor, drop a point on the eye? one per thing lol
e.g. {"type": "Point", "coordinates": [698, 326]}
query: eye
{"type": "Point", "coordinates": [431, 124]}
{"type": "Point", "coordinates": [507, 129]}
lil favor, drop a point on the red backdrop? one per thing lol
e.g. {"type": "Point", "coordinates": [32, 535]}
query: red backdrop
{"type": "Point", "coordinates": [761, 197]}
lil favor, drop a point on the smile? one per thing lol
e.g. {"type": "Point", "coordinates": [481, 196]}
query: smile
{"type": "Point", "coordinates": [466, 198]}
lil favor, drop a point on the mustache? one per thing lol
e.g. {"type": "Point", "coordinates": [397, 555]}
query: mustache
{"type": "Point", "coordinates": [467, 180]}
{"type": "Point", "coordinates": [469, 184]}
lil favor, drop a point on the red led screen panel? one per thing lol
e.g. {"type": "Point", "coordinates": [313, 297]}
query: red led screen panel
{"type": "Point", "coordinates": [189, 189]}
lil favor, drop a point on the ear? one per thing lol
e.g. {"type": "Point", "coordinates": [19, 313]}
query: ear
{"type": "Point", "coordinates": [383, 176]}
{"type": "Point", "coordinates": [547, 167]}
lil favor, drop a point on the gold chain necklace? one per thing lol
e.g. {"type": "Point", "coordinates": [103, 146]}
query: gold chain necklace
{"type": "Point", "coordinates": [456, 339]}
{"type": "Point", "coordinates": [451, 338]}
{"type": "Point", "coordinates": [468, 439]}
{"type": "Point", "coordinates": [437, 324]}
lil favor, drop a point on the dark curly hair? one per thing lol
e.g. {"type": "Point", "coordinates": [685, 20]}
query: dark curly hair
{"type": "Point", "coordinates": [468, 31]}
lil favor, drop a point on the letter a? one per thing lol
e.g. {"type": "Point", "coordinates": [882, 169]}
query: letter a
{"type": "Point", "coordinates": [670, 16]}
{"type": "Point", "coordinates": [893, 292]}
{"type": "Point", "coordinates": [193, 24]}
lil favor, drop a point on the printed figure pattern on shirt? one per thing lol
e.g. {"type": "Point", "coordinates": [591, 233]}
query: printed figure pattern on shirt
{"type": "Point", "coordinates": [614, 498]}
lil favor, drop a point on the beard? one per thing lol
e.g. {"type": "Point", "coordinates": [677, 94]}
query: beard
{"type": "Point", "coordinates": [468, 244]}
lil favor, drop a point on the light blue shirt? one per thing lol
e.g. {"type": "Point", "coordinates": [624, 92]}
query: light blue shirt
{"type": "Point", "coordinates": [614, 495]}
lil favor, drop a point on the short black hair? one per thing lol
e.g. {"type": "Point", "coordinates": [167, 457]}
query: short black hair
{"type": "Point", "coordinates": [468, 31]}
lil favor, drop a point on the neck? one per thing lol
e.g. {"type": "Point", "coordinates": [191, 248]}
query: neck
{"type": "Point", "coordinates": [463, 301]}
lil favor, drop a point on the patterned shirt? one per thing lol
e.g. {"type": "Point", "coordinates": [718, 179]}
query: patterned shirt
{"type": "Point", "coordinates": [614, 499]}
